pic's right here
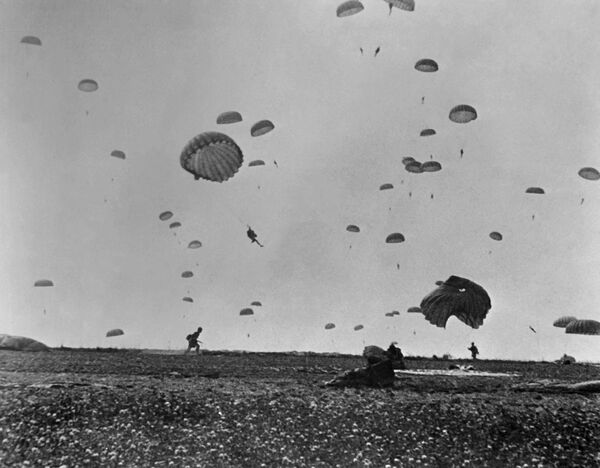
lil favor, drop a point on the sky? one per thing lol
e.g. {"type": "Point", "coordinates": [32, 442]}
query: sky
{"type": "Point", "coordinates": [343, 121]}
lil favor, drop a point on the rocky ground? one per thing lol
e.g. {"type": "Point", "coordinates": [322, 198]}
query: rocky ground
{"type": "Point", "coordinates": [126, 408]}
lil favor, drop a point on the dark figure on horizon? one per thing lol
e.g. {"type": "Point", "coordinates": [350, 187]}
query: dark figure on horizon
{"type": "Point", "coordinates": [474, 351]}
{"type": "Point", "coordinates": [252, 236]}
{"type": "Point", "coordinates": [377, 51]}
{"type": "Point", "coordinates": [422, 99]}
{"type": "Point", "coordinates": [193, 342]}
{"type": "Point", "coordinates": [361, 51]}
{"type": "Point", "coordinates": [461, 152]}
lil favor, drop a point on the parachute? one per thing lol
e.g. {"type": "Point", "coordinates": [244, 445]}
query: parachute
{"type": "Point", "coordinates": [188, 299]}
{"type": "Point", "coordinates": [413, 310]}
{"type": "Point", "coordinates": [349, 8]}
{"type": "Point", "coordinates": [457, 296]}
{"type": "Point", "coordinates": [43, 283]}
{"type": "Point", "coordinates": [21, 343]}
{"type": "Point", "coordinates": [256, 303]}
{"type": "Point", "coordinates": [426, 65]}
{"type": "Point", "coordinates": [407, 5]}
{"type": "Point", "coordinates": [394, 238]}
{"type": "Point", "coordinates": [329, 326]}
{"type": "Point", "coordinates": [352, 228]}
{"type": "Point", "coordinates": [246, 311]}
{"type": "Point", "coordinates": [358, 327]}
{"type": "Point", "coordinates": [408, 160]}
{"type": "Point", "coordinates": [439, 283]}
{"type": "Point", "coordinates": [87, 86]}
{"type": "Point", "coordinates": [583, 327]}
{"type": "Point", "coordinates": [195, 244]}
{"type": "Point", "coordinates": [229, 117]}
{"type": "Point", "coordinates": [165, 215]}
{"type": "Point", "coordinates": [257, 162]}
{"type": "Point", "coordinates": [536, 190]}
{"type": "Point", "coordinates": [386, 187]}
{"type": "Point", "coordinates": [32, 40]}
{"type": "Point", "coordinates": [118, 154]}
{"type": "Point", "coordinates": [431, 166]}
{"type": "Point", "coordinates": [463, 114]}
{"type": "Point", "coordinates": [395, 312]}
{"type": "Point", "coordinates": [496, 236]}
{"type": "Point", "coordinates": [389, 314]}
{"type": "Point", "coordinates": [427, 132]}
{"type": "Point", "coordinates": [414, 167]}
{"type": "Point", "coordinates": [114, 332]}
{"type": "Point", "coordinates": [562, 322]}
{"type": "Point", "coordinates": [261, 127]}
{"type": "Point", "coordinates": [211, 156]}
{"type": "Point", "coordinates": [187, 274]}
{"type": "Point", "coordinates": [589, 173]}
{"type": "Point", "coordinates": [174, 225]}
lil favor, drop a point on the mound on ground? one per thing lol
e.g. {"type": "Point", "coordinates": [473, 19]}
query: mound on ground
{"type": "Point", "coordinates": [21, 343]}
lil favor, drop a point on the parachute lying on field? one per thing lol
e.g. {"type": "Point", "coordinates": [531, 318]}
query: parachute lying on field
{"type": "Point", "coordinates": [589, 173]}
{"type": "Point", "coordinates": [329, 326]}
{"type": "Point", "coordinates": [211, 156]}
{"type": "Point", "coordinates": [496, 236]}
{"type": "Point", "coordinates": [358, 327]}
{"type": "Point", "coordinates": [43, 283]}
{"type": "Point", "coordinates": [389, 314]}
{"type": "Point", "coordinates": [414, 310]}
{"type": "Point", "coordinates": [246, 311]}
{"type": "Point", "coordinates": [407, 5]}
{"type": "Point", "coordinates": [165, 216]}
{"type": "Point", "coordinates": [395, 312]}
{"type": "Point", "coordinates": [408, 160]}
{"type": "Point", "coordinates": [562, 322]}
{"type": "Point", "coordinates": [583, 327]}
{"type": "Point", "coordinates": [195, 244]}
{"type": "Point", "coordinates": [187, 274]}
{"type": "Point", "coordinates": [118, 154]}
{"type": "Point", "coordinates": [535, 190]}
{"type": "Point", "coordinates": [431, 166]}
{"type": "Point", "coordinates": [256, 303]}
{"type": "Point", "coordinates": [463, 113]}
{"type": "Point", "coordinates": [427, 132]}
{"type": "Point", "coordinates": [457, 296]}
{"type": "Point", "coordinates": [394, 238]}
{"type": "Point", "coordinates": [352, 228]}
{"type": "Point", "coordinates": [415, 167]}
{"type": "Point", "coordinates": [261, 127]}
{"type": "Point", "coordinates": [21, 343]}
{"type": "Point", "coordinates": [426, 65]}
{"type": "Point", "coordinates": [114, 332]}
{"type": "Point", "coordinates": [188, 299]}
{"type": "Point", "coordinates": [229, 117]}
{"type": "Point", "coordinates": [32, 40]}
{"type": "Point", "coordinates": [87, 86]}
{"type": "Point", "coordinates": [349, 8]}
{"type": "Point", "coordinates": [386, 187]}
{"type": "Point", "coordinates": [174, 225]}
{"type": "Point", "coordinates": [256, 162]}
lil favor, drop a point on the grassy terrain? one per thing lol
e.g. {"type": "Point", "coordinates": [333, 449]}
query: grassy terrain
{"type": "Point", "coordinates": [127, 408]}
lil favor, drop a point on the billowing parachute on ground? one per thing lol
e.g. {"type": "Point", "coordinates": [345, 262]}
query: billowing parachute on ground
{"type": "Point", "coordinates": [496, 236]}
{"type": "Point", "coordinates": [211, 156]}
{"type": "Point", "coordinates": [415, 167]}
{"type": "Point", "coordinates": [389, 314]}
{"type": "Point", "coordinates": [407, 5]}
{"type": "Point", "coordinates": [165, 216]}
{"type": "Point", "coordinates": [229, 117]}
{"type": "Point", "coordinates": [246, 311]}
{"type": "Point", "coordinates": [394, 238]}
{"type": "Point", "coordinates": [413, 310]}
{"type": "Point", "coordinates": [87, 86]}
{"type": "Point", "coordinates": [535, 190]}
{"type": "Point", "coordinates": [174, 225]}
{"type": "Point", "coordinates": [562, 322]}
{"type": "Point", "coordinates": [427, 132]}
{"type": "Point", "coordinates": [408, 160]}
{"type": "Point", "coordinates": [386, 187]}
{"type": "Point", "coordinates": [118, 154]}
{"type": "Point", "coordinates": [463, 113]}
{"type": "Point", "coordinates": [457, 296]}
{"type": "Point", "coordinates": [589, 173]}
{"type": "Point", "coordinates": [256, 162]}
{"type": "Point", "coordinates": [583, 327]}
{"type": "Point", "coordinates": [195, 244]}
{"type": "Point", "coordinates": [261, 127]}
{"type": "Point", "coordinates": [32, 40]}
{"type": "Point", "coordinates": [349, 8]}
{"type": "Point", "coordinates": [352, 228]}
{"type": "Point", "coordinates": [187, 274]}
{"type": "Point", "coordinates": [395, 312]}
{"type": "Point", "coordinates": [358, 327]}
{"type": "Point", "coordinates": [431, 166]}
{"type": "Point", "coordinates": [256, 303]}
{"type": "Point", "coordinates": [21, 343]}
{"type": "Point", "coordinates": [114, 332]}
{"type": "Point", "coordinates": [329, 326]}
{"type": "Point", "coordinates": [188, 299]}
{"type": "Point", "coordinates": [426, 65]}
{"type": "Point", "coordinates": [43, 283]}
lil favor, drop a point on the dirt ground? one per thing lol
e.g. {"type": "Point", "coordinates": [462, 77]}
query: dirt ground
{"type": "Point", "coordinates": [72, 408]}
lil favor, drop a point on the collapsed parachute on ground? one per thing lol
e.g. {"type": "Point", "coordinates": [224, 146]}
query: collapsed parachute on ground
{"type": "Point", "coordinates": [195, 244]}
{"type": "Point", "coordinates": [463, 113]}
{"type": "Point", "coordinates": [408, 160]}
{"type": "Point", "coordinates": [329, 326]}
{"type": "Point", "coordinates": [211, 156]}
{"type": "Point", "coordinates": [114, 332]}
{"type": "Point", "coordinates": [21, 343]}
{"type": "Point", "coordinates": [358, 327]}
{"type": "Point", "coordinates": [496, 236]}
{"type": "Point", "coordinates": [187, 274]}
{"type": "Point", "coordinates": [174, 225]}
{"type": "Point", "coordinates": [32, 40]}
{"type": "Point", "coordinates": [415, 167]}
{"type": "Point", "coordinates": [535, 190]}
{"type": "Point", "coordinates": [394, 238]}
{"type": "Point", "coordinates": [87, 86]}
{"type": "Point", "coordinates": [188, 299]}
{"type": "Point", "coordinates": [426, 65]}
{"type": "Point", "coordinates": [118, 154]}
{"type": "Point", "coordinates": [431, 166]}
{"type": "Point", "coordinates": [246, 311]}
{"type": "Point", "coordinates": [583, 327]}
{"type": "Point", "coordinates": [256, 303]}
{"type": "Point", "coordinates": [406, 5]}
{"type": "Point", "coordinates": [257, 162]}
{"type": "Point", "coordinates": [349, 8]}
{"type": "Point", "coordinates": [165, 216]}
{"type": "Point", "coordinates": [352, 228]}
{"type": "Point", "coordinates": [562, 322]}
{"type": "Point", "coordinates": [43, 283]}
{"type": "Point", "coordinates": [386, 187]}
{"type": "Point", "coordinates": [229, 117]}
{"type": "Point", "coordinates": [589, 173]}
{"type": "Point", "coordinates": [427, 132]}
{"type": "Point", "coordinates": [457, 296]}
{"type": "Point", "coordinates": [261, 127]}
{"type": "Point", "coordinates": [413, 310]}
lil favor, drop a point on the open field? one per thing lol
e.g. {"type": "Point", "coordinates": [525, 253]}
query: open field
{"type": "Point", "coordinates": [128, 408]}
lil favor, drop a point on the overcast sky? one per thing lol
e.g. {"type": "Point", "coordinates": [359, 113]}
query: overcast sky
{"type": "Point", "coordinates": [343, 122]}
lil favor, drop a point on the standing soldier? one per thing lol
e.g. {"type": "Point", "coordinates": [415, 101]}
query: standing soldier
{"type": "Point", "coordinates": [474, 351]}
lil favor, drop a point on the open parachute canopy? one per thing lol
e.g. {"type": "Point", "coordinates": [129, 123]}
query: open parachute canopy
{"type": "Point", "coordinates": [427, 132]}
{"type": "Point", "coordinates": [457, 296]}
{"type": "Point", "coordinates": [358, 327]}
{"type": "Point", "coordinates": [496, 236]}
{"type": "Point", "coordinates": [211, 156]}
{"type": "Point", "coordinates": [187, 274]}
{"type": "Point", "coordinates": [174, 225]}
{"type": "Point", "coordinates": [406, 5]}
{"type": "Point", "coordinates": [118, 154]}
{"type": "Point", "coordinates": [463, 113]}
{"type": "Point", "coordinates": [349, 8]}
{"type": "Point", "coordinates": [21, 343]}
{"type": "Point", "coordinates": [426, 65]}
{"type": "Point", "coordinates": [187, 299]}
{"type": "Point", "coordinates": [415, 167]}
{"type": "Point", "coordinates": [390, 314]}
{"type": "Point", "coordinates": [165, 215]}
{"type": "Point", "coordinates": [352, 228]}
{"type": "Point", "coordinates": [408, 160]}
{"type": "Point", "coordinates": [589, 173]}
{"type": "Point", "coordinates": [386, 187]}
{"type": "Point", "coordinates": [195, 244]}
{"type": "Point", "coordinates": [229, 117]}
{"type": "Point", "coordinates": [32, 40]}
{"type": "Point", "coordinates": [87, 85]}
{"type": "Point", "coordinates": [395, 312]}
{"type": "Point", "coordinates": [329, 326]}
{"type": "Point", "coordinates": [256, 162]}
{"type": "Point", "coordinates": [583, 327]}
{"type": "Point", "coordinates": [114, 332]}
{"type": "Point", "coordinates": [431, 166]}
{"type": "Point", "coordinates": [256, 303]}
{"type": "Point", "coordinates": [414, 310]}
{"type": "Point", "coordinates": [261, 127]}
{"type": "Point", "coordinates": [246, 311]}
{"type": "Point", "coordinates": [562, 322]}
{"type": "Point", "coordinates": [43, 283]}
{"type": "Point", "coordinates": [535, 190]}
{"type": "Point", "coordinates": [394, 238]}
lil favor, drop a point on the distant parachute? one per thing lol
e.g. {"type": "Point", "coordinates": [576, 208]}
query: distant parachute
{"type": "Point", "coordinates": [426, 65]}
{"type": "Point", "coordinates": [389, 314]}
{"type": "Point", "coordinates": [118, 154]}
{"type": "Point", "coordinates": [358, 327]}
{"type": "Point", "coordinates": [43, 283]}
{"type": "Point", "coordinates": [211, 156]}
{"type": "Point", "coordinates": [413, 310]}
{"type": "Point", "coordinates": [394, 238]}
{"type": "Point", "coordinates": [187, 274]}
{"type": "Point", "coordinates": [261, 127]}
{"type": "Point", "coordinates": [114, 332]}
{"type": "Point", "coordinates": [427, 132]}
{"type": "Point", "coordinates": [408, 160]}
{"type": "Point", "coordinates": [329, 326]}
{"type": "Point", "coordinates": [536, 190]}
{"type": "Point", "coordinates": [414, 167]}
{"type": "Point", "coordinates": [496, 236]}
{"type": "Point", "coordinates": [246, 311]}
{"type": "Point", "coordinates": [583, 327]}
{"type": "Point", "coordinates": [589, 173]}
{"type": "Point", "coordinates": [229, 117]}
{"type": "Point", "coordinates": [195, 244]}
{"type": "Point", "coordinates": [188, 299]}
{"type": "Point", "coordinates": [407, 5]}
{"type": "Point", "coordinates": [386, 187]}
{"type": "Point", "coordinates": [165, 215]}
{"type": "Point", "coordinates": [352, 228]}
{"type": "Point", "coordinates": [256, 303]}
{"type": "Point", "coordinates": [457, 296]}
{"type": "Point", "coordinates": [431, 166]}
{"type": "Point", "coordinates": [32, 40]}
{"type": "Point", "coordinates": [349, 8]}
{"type": "Point", "coordinates": [562, 322]}
{"type": "Point", "coordinates": [174, 225]}
{"type": "Point", "coordinates": [439, 283]}
{"type": "Point", "coordinates": [256, 162]}
{"type": "Point", "coordinates": [87, 86]}
{"type": "Point", "coordinates": [395, 312]}
{"type": "Point", "coordinates": [463, 114]}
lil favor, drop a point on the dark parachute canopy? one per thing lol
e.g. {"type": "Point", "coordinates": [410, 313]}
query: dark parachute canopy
{"type": "Point", "coordinates": [389, 314]}
{"type": "Point", "coordinates": [562, 322]}
{"type": "Point", "coordinates": [211, 156]}
{"type": "Point", "coordinates": [583, 327]}
{"type": "Point", "coordinates": [352, 228]}
{"type": "Point", "coordinates": [187, 274]}
{"type": "Point", "coordinates": [256, 162]}
{"type": "Point", "coordinates": [386, 187]}
{"type": "Point", "coordinates": [261, 127]}
{"type": "Point", "coordinates": [463, 113]}
{"type": "Point", "coordinates": [246, 311]}
{"type": "Point", "coordinates": [349, 8]}
{"type": "Point", "coordinates": [174, 225]}
{"type": "Point", "coordinates": [165, 215]}
{"type": "Point", "coordinates": [535, 190]}
{"type": "Point", "coordinates": [256, 303]}
{"type": "Point", "coordinates": [496, 236]}
{"type": "Point", "coordinates": [426, 65]}
{"type": "Point", "coordinates": [114, 332]}
{"type": "Point", "coordinates": [414, 310]}
{"type": "Point", "coordinates": [87, 85]}
{"type": "Point", "coordinates": [188, 299]}
{"type": "Point", "coordinates": [394, 238]}
{"type": "Point", "coordinates": [395, 312]}
{"type": "Point", "coordinates": [427, 132]}
{"type": "Point", "coordinates": [457, 296]}
{"type": "Point", "coordinates": [407, 5]}
{"type": "Point", "coordinates": [118, 154]}
{"type": "Point", "coordinates": [431, 166]}
{"type": "Point", "coordinates": [32, 40]}
{"type": "Point", "coordinates": [229, 117]}
{"type": "Point", "coordinates": [589, 173]}
{"type": "Point", "coordinates": [358, 327]}
{"type": "Point", "coordinates": [195, 244]}
{"type": "Point", "coordinates": [408, 160]}
{"type": "Point", "coordinates": [415, 167]}
{"type": "Point", "coordinates": [329, 326]}
{"type": "Point", "coordinates": [43, 283]}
